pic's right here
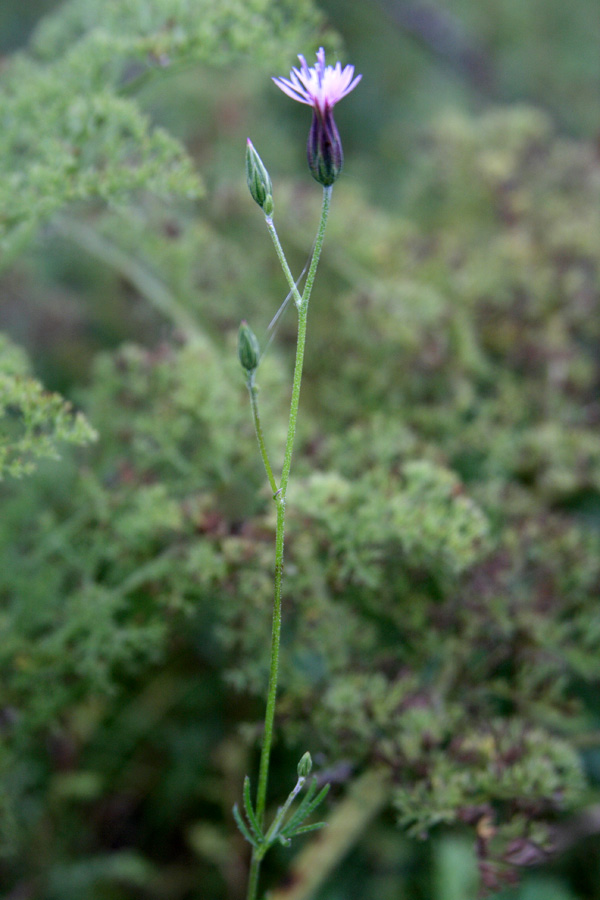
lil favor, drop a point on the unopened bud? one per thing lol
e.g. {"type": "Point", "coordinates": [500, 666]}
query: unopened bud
{"type": "Point", "coordinates": [305, 765]}
{"type": "Point", "coordinates": [248, 348]}
{"type": "Point", "coordinates": [259, 182]}
{"type": "Point", "coordinates": [324, 148]}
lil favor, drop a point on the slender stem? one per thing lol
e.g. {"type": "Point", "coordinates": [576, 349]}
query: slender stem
{"type": "Point", "coordinates": [302, 319]}
{"type": "Point", "coordinates": [281, 813]}
{"type": "Point", "coordinates": [318, 244]}
{"type": "Point", "coordinates": [263, 772]}
{"type": "Point", "coordinates": [253, 876]}
{"type": "Point", "coordinates": [280, 496]}
{"type": "Point", "coordinates": [271, 835]}
{"type": "Point", "coordinates": [265, 756]}
{"type": "Point", "coordinates": [253, 391]}
{"type": "Point", "coordinates": [284, 263]}
{"type": "Point", "coordinates": [295, 401]}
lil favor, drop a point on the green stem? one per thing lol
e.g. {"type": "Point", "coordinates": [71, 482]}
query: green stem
{"type": "Point", "coordinates": [302, 319]}
{"type": "Point", "coordinates": [278, 820]}
{"type": "Point", "coordinates": [253, 391]}
{"type": "Point", "coordinates": [284, 263]}
{"type": "Point", "coordinates": [253, 876]}
{"type": "Point", "coordinates": [265, 756]}
{"type": "Point", "coordinates": [318, 244]}
{"type": "Point", "coordinates": [280, 496]}
{"type": "Point", "coordinates": [263, 772]}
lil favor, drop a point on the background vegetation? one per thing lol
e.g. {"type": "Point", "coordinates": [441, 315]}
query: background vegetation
{"type": "Point", "coordinates": [441, 624]}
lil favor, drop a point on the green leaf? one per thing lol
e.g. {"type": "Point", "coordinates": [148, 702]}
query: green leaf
{"type": "Point", "coordinates": [242, 826]}
{"type": "Point", "coordinates": [304, 829]}
{"type": "Point", "coordinates": [307, 806]}
{"type": "Point", "coordinates": [254, 823]}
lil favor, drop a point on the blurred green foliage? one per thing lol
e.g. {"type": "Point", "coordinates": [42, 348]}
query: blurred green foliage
{"type": "Point", "coordinates": [32, 422]}
{"type": "Point", "coordinates": [441, 621]}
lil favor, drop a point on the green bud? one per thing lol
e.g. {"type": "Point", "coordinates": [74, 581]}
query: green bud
{"type": "Point", "coordinates": [259, 183]}
{"type": "Point", "coordinates": [324, 148]}
{"type": "Point", "coordinates": [248, 348]}
{"type": "Point", "coordinates": [305, 765]}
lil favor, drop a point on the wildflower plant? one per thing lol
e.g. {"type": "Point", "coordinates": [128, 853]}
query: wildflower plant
{"type": "Point", "coordinates": [321, 87]}
{"type": "Point", "coordinates": [441, 614]}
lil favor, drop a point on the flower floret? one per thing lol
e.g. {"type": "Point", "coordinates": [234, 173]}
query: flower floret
{"type": "Point", "coordinates": [319, 86]}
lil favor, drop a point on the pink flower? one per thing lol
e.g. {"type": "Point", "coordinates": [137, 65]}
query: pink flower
{"type": "Point", "coordinates": [321, 87]}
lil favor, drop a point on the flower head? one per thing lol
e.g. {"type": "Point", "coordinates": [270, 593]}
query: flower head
{"type": "Point", "coordinates": [321, 87]}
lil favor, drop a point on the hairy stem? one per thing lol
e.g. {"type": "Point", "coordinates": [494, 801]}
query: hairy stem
{"type": "Point", "coordinates": [253, 391]}
{"type": "Point", "coordinates": [302, 319]}
{"type": "Point", "coordinates": [284, 263]}
{"type": "Point", "coordinates": [280, 498]}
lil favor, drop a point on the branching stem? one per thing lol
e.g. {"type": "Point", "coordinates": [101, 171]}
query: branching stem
{"type": "Point", "coordinates": [280, 498]}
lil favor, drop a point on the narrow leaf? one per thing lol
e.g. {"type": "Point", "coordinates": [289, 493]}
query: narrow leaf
{"type": "Point", "coordinates": [254, 824]}
{"type": "Point", "coordinates": [304, 829]}
{"type": "Point", "coordinates": [307, 806]}
{"type": "Point", "coordinates": [318, 799]}
{"type": "Point", "coordinates": [242, 826]}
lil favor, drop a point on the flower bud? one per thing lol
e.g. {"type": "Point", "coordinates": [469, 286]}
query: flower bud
{"type": "Point", "coordinates": [324, 148]}
{"type": "Point", "coordinates": [248, 348]}
{"type": "Point", "coordinates": [259, 182]}
{"type": "Point", "coordinates": [305, 765]}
